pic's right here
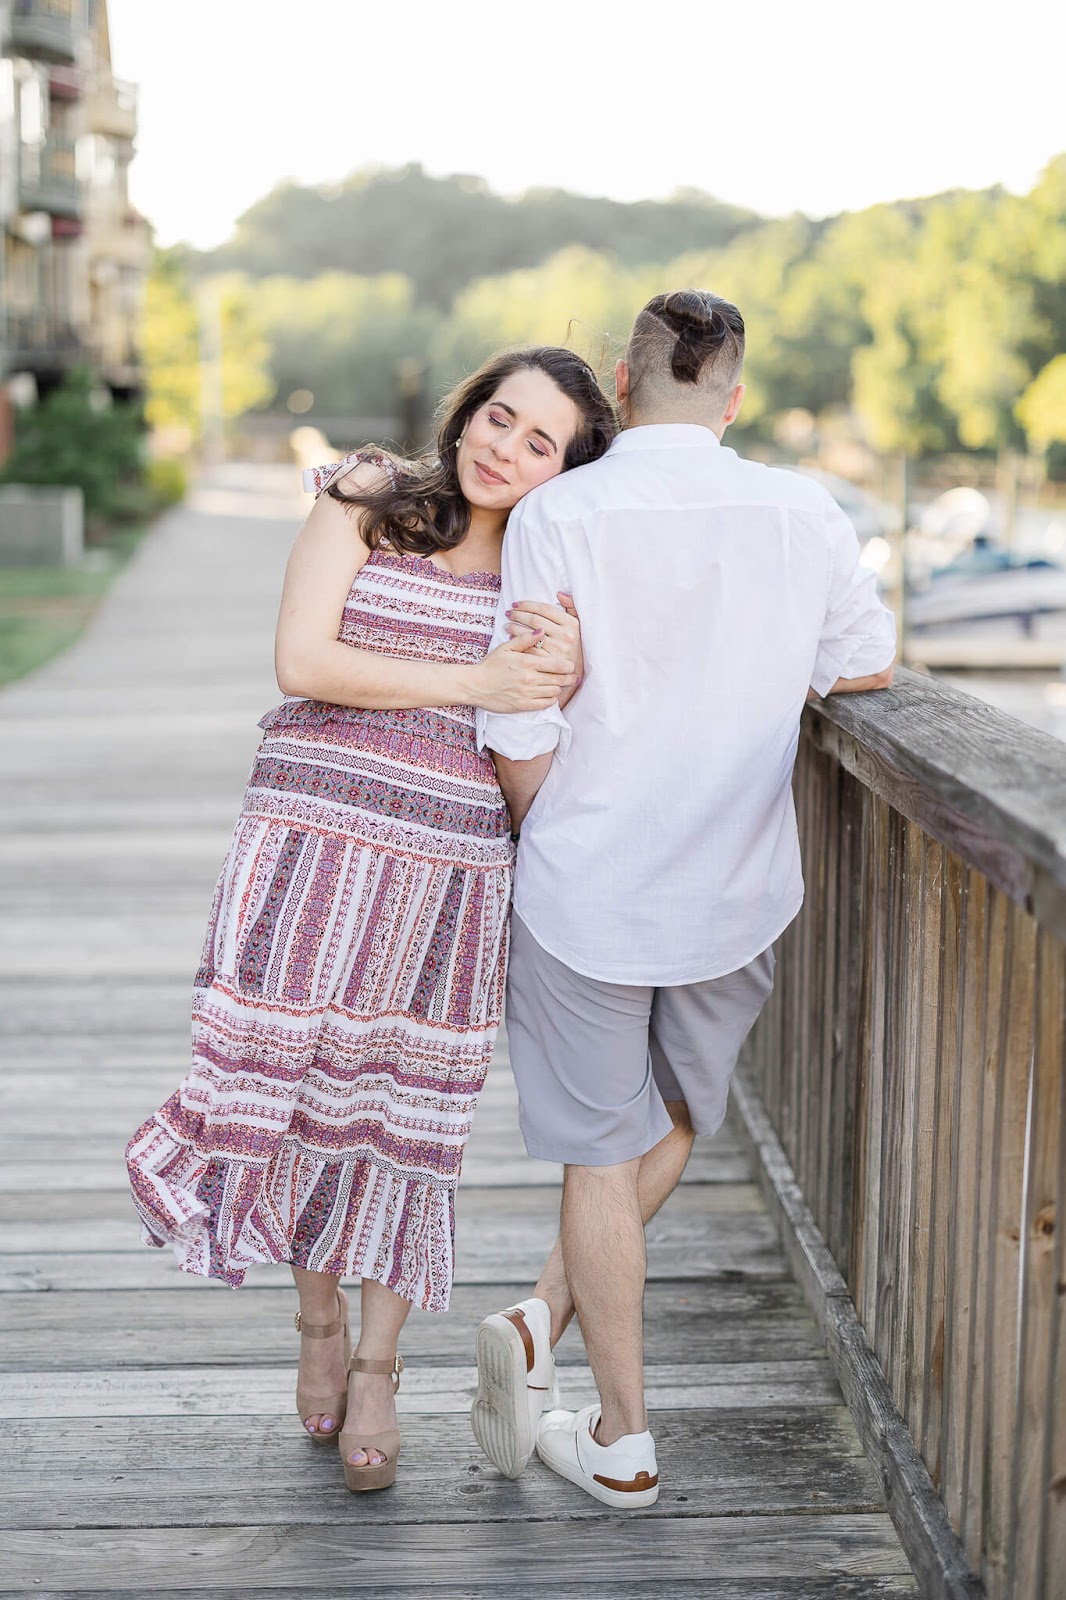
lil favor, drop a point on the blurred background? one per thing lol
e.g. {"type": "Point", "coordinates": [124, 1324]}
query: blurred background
{"type": "Point", "coordinates": [262, 234]}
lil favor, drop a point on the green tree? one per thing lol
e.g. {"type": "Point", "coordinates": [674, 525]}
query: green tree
{"type": "Point", "coordinates": [341, 337]}
{"type": "Point", "coordinates": [171, 324]}
{"type": "Point", "coordinates": [1042, 408]}
{"type": "Point", "coordinates": [578, 298]}
{"type": "Point", "coordinates": [442, 233]}
{"type": "Point", "coordinates": [754, 272]}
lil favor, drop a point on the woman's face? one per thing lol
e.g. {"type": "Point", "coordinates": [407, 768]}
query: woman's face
{"type": "Point", "coordinates": [516, 440]}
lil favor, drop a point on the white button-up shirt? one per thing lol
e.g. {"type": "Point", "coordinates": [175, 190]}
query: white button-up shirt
{"type": "Point", "coordinates": [712, 591]}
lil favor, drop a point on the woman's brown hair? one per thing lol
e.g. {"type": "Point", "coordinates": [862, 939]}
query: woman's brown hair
{"type": "Point", "coordinates": [422, 508]}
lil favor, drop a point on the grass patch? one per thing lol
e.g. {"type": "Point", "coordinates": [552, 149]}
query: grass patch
{"type": "Point", "coordinates": [44, 609]}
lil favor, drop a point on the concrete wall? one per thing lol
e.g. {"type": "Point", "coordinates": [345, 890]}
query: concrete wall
{"type": "Point", "coordinates": [40, 526]}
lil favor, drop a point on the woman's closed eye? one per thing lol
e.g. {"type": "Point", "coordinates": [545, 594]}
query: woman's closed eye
{"type": "Point", "coordinates": [502, 422]}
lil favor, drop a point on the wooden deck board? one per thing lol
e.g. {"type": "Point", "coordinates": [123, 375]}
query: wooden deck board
{"type": "Point", "coordinates": [705, 1319]}
{"type": "Point", "coordinates": [149, 1444]}
{"type": "Point", "coordinates": [834, 1588]}
{"type": "Point", "coordinates": [175, 1474]}
{"type": "Point", "coordinates": [355, 1554]}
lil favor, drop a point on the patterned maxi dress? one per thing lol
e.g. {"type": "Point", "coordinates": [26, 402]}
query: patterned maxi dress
{"type": "Point", "coordinates": [352, 977]}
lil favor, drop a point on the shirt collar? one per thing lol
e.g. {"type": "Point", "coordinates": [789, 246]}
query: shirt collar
{"type": "Point", "coordinates": [664, 436]}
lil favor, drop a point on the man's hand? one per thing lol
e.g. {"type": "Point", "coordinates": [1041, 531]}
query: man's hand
{"type": "Point", "coordinates": [876, 680]}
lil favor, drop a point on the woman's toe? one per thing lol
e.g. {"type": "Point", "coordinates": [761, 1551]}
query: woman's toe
{"type": "Point", "coordinates": [359, 1458]}
{"type": "Point", "coordinates": [326, 1424]}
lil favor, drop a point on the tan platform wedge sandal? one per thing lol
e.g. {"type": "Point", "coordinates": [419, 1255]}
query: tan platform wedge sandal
{"type": "Point", "coordinates": [329, 1405]}
{"type": "Point", "coordinates": [382, 1474]}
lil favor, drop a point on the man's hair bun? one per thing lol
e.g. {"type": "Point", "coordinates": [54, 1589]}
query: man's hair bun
{"type": "Point", "coordinates": [694, 328]}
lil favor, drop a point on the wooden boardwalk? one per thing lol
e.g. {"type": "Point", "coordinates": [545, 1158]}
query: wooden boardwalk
{"type": "Point", "coordinates": [149, 1443]}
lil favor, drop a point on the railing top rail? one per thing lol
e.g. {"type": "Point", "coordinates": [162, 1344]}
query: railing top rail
{"type": "Point", "coordinates": [986, 785]}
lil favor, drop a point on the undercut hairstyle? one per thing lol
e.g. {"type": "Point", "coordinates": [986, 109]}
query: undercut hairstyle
{"type": "Point", "coordinates": [419, 507]}
{"type": "Point", "coordinates": [690, 340]}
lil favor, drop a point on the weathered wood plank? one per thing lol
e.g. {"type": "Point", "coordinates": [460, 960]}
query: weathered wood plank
{"type": "Point", "coordinates": [502, 1235]}
{"type": "Point", "coordinates": [930, 1440]}
{"type": "Point", "coordinates": [688, 1322]}
{"type": "Point", "coordinates": [844, 1081]}
{"type": "Point", "coordinates": [647, 1549]}
{"type": "Point", "coordinates": [896, 943]}
{"type": "Point", "coordinates": [104, 1216]}
{"type": "Point", "coordinates": [924, 747]}
{"type": "Point", "coordinates": [736, 1260]}
{"type": "Point", "coordinates": [493, 1159]}
{"type": "Point", "coordinates": [975, 1490]}
{"type": "Point", "coordinates": [762, 1588]}
{"type": "Point", "coordinates": [1055, 1551]}
{"type": "Point", "coordinates": [869, 1112]}
{"type": "Point", "coordinates": [1013, 1049]}
{"type": "Point", "coordinates": [967, 1199]}
{"type": "Point", "coordinates": [1034, 1496]}
{"type": "Point", "coordinates": [259, 1471]}
{"type": "Point", "coordinates": [909, 1045]}
{"type": "Point", "coordinates": [923, 1144]}
{"type": "Point", "coordinates": [269, 1391]}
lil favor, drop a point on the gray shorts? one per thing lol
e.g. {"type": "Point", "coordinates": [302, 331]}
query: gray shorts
{"type": "Point", "coordinates": [594, 1062]}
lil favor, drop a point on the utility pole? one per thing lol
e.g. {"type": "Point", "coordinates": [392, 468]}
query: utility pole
{"type": "Point", "coordinates": [900, 607]}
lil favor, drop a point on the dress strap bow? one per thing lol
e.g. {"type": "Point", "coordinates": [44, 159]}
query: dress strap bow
{"type": "Point", "coordinates": [317, 480]}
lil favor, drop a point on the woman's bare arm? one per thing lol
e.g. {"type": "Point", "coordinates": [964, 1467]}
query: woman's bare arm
{"type": "Point", "coordinates": [311, 661]}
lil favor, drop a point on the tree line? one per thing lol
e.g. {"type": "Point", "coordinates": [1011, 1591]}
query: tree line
{"type": "Point", "coordinates": [933, 325]}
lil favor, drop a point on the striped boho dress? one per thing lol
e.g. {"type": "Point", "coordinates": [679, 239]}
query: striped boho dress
{"type": "Point", "coordinates": [352, 977]}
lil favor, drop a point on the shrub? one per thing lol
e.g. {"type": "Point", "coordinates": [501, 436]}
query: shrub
{"type": "Point", "coordinates": [167, 480]}
{"type": "Point", "coordinates": [71, 439]}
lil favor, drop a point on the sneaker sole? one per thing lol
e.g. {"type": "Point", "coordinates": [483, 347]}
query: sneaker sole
{"type": "Point", "coordinates": [619, 1500]}
{"type": "Point", "coordinates": [499, 1416]}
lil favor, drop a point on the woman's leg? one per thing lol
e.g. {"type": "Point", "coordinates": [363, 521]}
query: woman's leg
{"type": "Point", "coordinates": [371, 1401]}
{"type": "Point", "coordinates": [322, 1368]}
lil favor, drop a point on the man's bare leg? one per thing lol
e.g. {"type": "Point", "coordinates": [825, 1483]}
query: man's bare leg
{"type": "Point", "coordinates": [604, 1262]}
{"type": "Point", "coordinates": [658, 1176]}
{"type": "Point", "coordinates": [602, 1235]}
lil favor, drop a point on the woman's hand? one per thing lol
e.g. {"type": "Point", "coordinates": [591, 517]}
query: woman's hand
{"type": "Point", "coordinates": [560, 628]}
{"type": "Point", "coordinates": [526, 674]}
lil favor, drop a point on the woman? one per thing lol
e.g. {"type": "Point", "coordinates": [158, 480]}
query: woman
{"type": "Point", "coordinates": [352, 977]}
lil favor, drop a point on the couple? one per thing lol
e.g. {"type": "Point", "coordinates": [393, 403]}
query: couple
{"type": "Point", "coordinates": [353, 973]}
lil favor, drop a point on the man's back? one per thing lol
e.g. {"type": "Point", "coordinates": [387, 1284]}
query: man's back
{"type": "Point", "coordinates": [712, 593]}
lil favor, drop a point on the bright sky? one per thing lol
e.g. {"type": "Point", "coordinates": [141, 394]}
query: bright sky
{"type": "Point", "coordinates": [818, 107]}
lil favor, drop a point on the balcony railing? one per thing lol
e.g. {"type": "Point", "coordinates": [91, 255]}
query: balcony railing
{"type": "Point", "coordinates": [912, 1065]}
{"type": "Point", "coordinates": [45, 29]}
{"type": "Point", "coordinates": [48, 179]}
{"type": "Point", "coordinates": [39, 343]}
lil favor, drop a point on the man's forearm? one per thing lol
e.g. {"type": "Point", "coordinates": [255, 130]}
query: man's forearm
{"type": "Point", "coordinates": [521, 782]}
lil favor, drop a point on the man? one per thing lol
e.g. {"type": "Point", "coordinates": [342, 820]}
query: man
{"type": "Point", "coordinates": [659, 857]}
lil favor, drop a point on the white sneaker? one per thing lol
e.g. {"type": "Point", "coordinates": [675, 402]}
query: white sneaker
{"type": "Point", "coordinates": [516, 1382]}
{"type": "Point", "coordinates": [624, 1474]}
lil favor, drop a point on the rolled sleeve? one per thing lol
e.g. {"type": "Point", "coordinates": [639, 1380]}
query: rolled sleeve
{"type": "Point", "coordinates": [533, 569]}
{"type": "Point", "coordinates": [522, 735]}
{"type": "Point", "coordinates": [859, 634]}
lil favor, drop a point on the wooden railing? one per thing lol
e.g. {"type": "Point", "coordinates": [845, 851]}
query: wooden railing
{"type": "Point", "coordinates": [912, 1062]}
